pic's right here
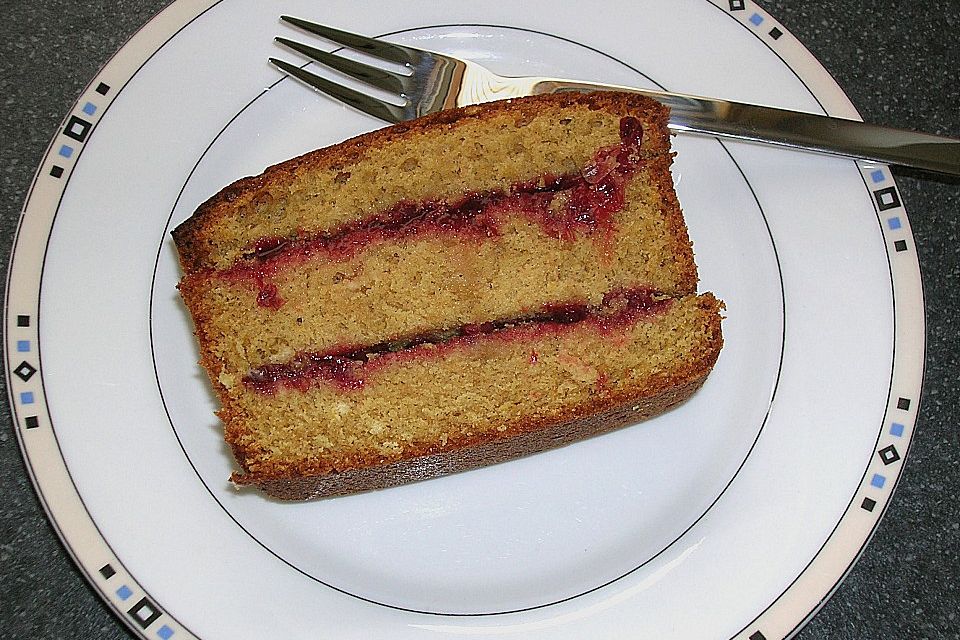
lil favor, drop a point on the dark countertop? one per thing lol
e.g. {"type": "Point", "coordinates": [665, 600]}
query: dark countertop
{"type": "Point", "coordinates": [898, 61]}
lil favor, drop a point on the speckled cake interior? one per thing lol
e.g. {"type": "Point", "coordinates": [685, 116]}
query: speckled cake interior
{"type": "Point", "coordinates": [455, 291]}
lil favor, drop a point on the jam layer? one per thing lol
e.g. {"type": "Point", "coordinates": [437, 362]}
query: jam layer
{"type": "Point", "coordinates": [564, 207]}
{"type": "Point", "coordinates": [349, 366]}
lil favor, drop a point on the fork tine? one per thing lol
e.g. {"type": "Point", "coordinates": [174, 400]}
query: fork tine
{"type": "Point", "coordinates": [371, 75]}
{"type": "Point", "coordinates": [376, 48]}
{"type": "Point", "coordinates": [373, 106]}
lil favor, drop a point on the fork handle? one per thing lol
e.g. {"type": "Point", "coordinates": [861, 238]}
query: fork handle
{"type": "Point", "coordinates": [811, 132]}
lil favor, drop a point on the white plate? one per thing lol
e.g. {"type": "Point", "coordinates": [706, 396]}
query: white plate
{"type": "Point", "coordinates": [746, 505]}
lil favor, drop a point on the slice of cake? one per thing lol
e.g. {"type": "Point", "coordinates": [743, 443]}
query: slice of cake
{"type": "Point", "coordinates": [459, 290]}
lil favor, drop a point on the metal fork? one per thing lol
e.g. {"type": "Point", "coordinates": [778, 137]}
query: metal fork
{"type": "Point", "coordinates": [433, 82]}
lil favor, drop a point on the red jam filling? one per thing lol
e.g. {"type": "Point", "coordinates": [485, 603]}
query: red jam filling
{"type": "Point", "coordinates": [349, 366]}
{"type": "Point", "coordinates": [592, 197]}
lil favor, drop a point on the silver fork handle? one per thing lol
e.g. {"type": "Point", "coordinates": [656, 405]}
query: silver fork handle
{"type": "Point", "coordinates": [834, 136]}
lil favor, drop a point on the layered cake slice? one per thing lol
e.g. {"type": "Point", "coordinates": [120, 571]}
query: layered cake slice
{"type": "Point", "coordinates": [456, 291]}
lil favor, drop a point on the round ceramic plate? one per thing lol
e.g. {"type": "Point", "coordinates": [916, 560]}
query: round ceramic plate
{"type": "Point", "coordinates": [746, 505]}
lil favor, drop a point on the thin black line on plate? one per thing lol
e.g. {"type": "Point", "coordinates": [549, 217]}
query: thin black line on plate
{"type": "Point", "coordinates": [95, 583]}
{"type": "Point", "coordinates": [491, 613]}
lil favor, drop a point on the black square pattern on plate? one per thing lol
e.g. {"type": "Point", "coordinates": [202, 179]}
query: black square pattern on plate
{"type": "Point", "coordinates": [868, 504]}
{"type": "Point", "coordinates": [144, 613]}
{"type": "Point", "coordinates": [56, 171]}
{"type": "Point", "coordinates": [889, 455]}
{"type": "Point", "coordinates": [900, 245]}
{"type": "Point", "coordinates": [736, 5]}
{"type": "Point", "coordinates": [886, 198]}
{"type": "Point", "coordinates": [107, 571]}
{"type": "Point", "coordinates": [775, 33]}
{"type": "Point", "coordinates": [77, 128]}
{"type": "Point", "coordinates": [758, 636]}
{"type": "Point", "coordinates": [102, 89]}
{"type": "Point", "coordinates": [31, 422]}
{"type": "Point", "coordinates": [25, 370]}
{"type": "Point", "coordinates": [903, 404]}
{"type": "Point", "coordinates": [23, 321]}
